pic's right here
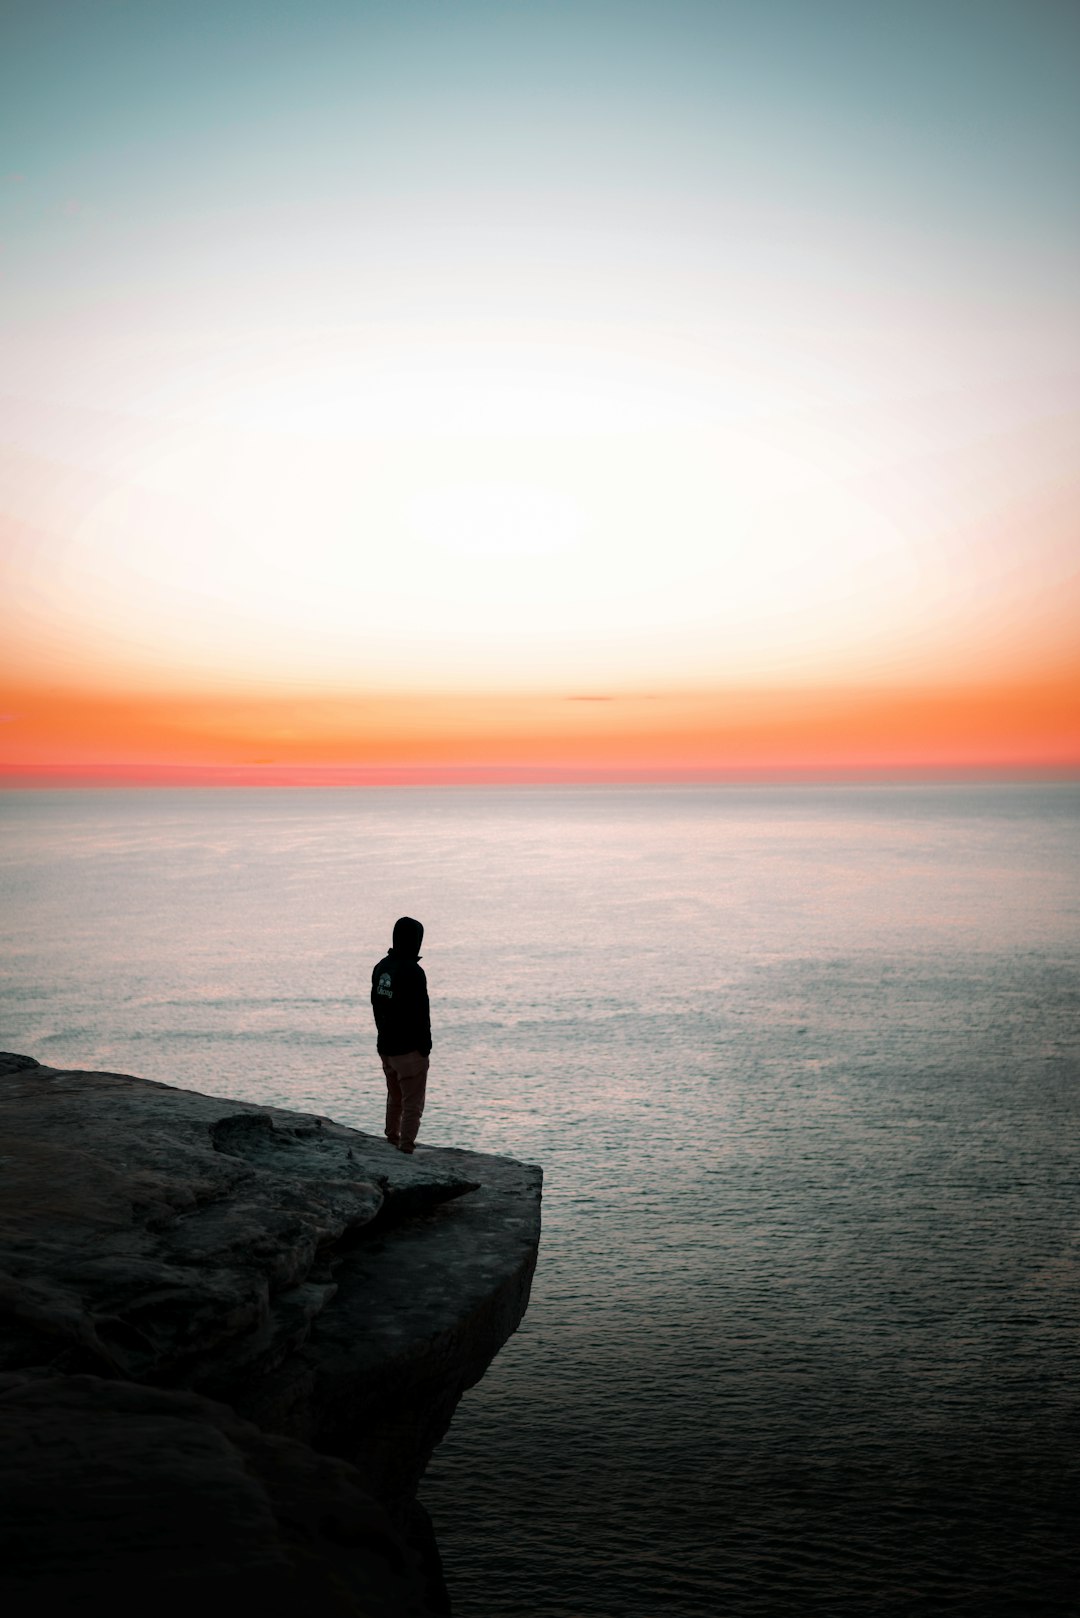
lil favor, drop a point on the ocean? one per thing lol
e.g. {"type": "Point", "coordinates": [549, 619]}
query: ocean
{"type": "Point", "coordinates": [801, 1067]}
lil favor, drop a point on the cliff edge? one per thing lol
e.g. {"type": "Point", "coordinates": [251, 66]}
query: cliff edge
{"type": "Point", "coordinates": [230, 1338]}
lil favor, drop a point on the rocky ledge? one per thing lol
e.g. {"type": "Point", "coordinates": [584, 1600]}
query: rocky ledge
{"type": "Point", "coordinates": [230, 1338]}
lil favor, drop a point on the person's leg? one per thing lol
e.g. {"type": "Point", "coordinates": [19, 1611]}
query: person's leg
{"type": "Point", "coordinates": [393, 1103]}
{"type": "Point", "coordinates": [412, 1072]}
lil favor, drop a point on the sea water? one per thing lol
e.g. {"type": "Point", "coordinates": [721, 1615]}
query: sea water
{"type": "Point", "coordinates": [801, 1067]}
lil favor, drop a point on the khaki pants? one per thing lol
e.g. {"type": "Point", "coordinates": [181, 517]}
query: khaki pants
{"type": "Point", "coordinates": [406, 1085]}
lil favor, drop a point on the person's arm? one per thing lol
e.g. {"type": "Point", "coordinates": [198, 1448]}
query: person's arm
{"type": "Point", "coordinates": [377, 1005]}
{"type": "Point", "coordinates": [422, 1013]}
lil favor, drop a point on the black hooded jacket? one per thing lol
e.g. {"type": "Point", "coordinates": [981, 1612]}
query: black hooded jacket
{"type": "Point", "coordinates": [399, 996]}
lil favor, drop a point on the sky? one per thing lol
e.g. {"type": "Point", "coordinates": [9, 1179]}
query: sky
{"type": "Point", "coordinates": [613, 389]}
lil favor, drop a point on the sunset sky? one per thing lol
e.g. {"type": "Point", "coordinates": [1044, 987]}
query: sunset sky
{"type": "Point", "coordinates": [519, 389]}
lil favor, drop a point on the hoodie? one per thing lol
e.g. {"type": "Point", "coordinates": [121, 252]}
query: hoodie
{"type": "Point", "coordinates": [399, 996]}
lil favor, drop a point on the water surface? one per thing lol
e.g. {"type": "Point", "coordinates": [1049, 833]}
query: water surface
{"type": "Point", "coordinates": [801, 1068]}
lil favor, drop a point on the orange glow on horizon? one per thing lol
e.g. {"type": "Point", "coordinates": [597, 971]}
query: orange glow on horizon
{"type": "Point", "coordinates": [58, 735]}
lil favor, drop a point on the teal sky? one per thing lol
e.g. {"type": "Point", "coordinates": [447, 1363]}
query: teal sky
{"type": "Point", "coordinates": [558, 158]}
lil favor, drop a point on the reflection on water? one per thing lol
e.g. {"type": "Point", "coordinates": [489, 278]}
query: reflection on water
{"type": "Point", "coordinates": [801, 1069]}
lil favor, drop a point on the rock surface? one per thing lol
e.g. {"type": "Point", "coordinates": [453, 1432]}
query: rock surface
{"type": "Point", "coordinates": [271, 1310]}
{"type": "Point", "coordinates": [122, 1498]}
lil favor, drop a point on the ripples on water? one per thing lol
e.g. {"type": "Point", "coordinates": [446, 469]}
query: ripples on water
{"type": "Point", "coordinates": [801, 1068]}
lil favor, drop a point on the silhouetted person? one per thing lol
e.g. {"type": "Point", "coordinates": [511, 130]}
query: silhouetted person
{"type": "Point", "coordinates": [399, 999]}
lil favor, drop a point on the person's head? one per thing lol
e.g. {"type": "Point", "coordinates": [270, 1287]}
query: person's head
{"type": "Point", "coordinates": [408, 936]}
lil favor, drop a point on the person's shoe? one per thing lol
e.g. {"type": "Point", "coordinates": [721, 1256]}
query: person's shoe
{"type": "Point", "coordinates": [405, 1146]}
{"type": "Point", "coordinates": [393, 1139]}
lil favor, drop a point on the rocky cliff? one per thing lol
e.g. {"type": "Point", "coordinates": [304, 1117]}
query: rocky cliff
{"type": "Point", "coordinates": [230, 1338]}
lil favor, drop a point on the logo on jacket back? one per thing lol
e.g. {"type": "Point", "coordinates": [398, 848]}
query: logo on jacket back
{"type": "Point", "coordinates": [383, 986]}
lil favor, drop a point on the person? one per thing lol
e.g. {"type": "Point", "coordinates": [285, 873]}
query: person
{"type": "Point", "coordinates": [399, 1000]}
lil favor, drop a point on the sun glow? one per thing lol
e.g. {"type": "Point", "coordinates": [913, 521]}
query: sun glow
{"type": "Point", "coordinates": [550, 545]}
{"type": "Point", "coordinates": [494, 520]}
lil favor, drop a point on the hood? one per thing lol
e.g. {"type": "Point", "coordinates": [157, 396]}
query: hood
{"type": "Point", "coordinates": [408, 936]}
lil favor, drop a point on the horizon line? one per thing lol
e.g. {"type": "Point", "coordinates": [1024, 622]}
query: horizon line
{"type": "Point", "coordinates": [30, 777]}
